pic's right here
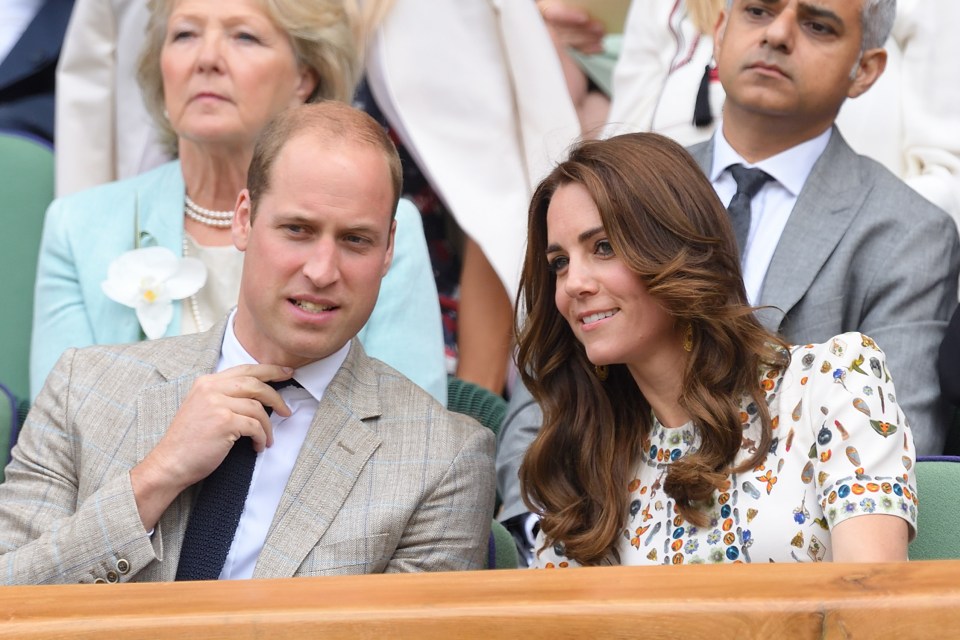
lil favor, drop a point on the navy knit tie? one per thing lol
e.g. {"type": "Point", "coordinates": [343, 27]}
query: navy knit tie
{"type": "Point", "coordinates": [749, 182]}
{"type": "Point", "coordinates": [216, 513]}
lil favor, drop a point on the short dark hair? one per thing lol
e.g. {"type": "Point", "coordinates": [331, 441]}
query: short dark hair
{"type": "Point", "coordinates": [332, 123]}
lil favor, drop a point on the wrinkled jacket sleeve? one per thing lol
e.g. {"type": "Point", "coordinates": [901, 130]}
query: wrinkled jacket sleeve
{"type": "Point", "coordinates": [51, 529]}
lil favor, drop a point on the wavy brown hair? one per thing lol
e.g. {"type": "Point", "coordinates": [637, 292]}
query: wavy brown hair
{"type": "Point", "coordinates": [664, 221]}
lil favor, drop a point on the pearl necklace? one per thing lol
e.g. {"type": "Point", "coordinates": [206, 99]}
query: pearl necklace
{"type": "Point", "coordinates": [209, 217]}
{"type": "Point", "coordinates": [194, 303]}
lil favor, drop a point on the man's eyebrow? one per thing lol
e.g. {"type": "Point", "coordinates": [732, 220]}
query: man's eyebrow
{"type": "Point", "coordinates": [583, 237]}
{"type": "Point", "coordinates": [811, 10]}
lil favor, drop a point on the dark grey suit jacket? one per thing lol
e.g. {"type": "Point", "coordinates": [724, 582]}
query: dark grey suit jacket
{"type": "Point", "coordinates": [864, 252]}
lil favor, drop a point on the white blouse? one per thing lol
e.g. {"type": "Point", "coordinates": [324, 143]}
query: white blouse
{"type": "Point", "coordinates": [221, 291]}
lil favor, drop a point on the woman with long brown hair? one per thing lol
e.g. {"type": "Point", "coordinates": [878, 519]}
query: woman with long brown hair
{"type": "Point", "coordinates": [676, 428]}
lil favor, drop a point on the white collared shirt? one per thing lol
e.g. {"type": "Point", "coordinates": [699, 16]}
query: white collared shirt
{"type": "Point", "coordinates": [275, 464]}
{"type": "Point", "coordinates": [771, 207]}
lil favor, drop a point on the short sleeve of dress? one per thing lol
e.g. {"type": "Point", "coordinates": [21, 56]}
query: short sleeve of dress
{"type": "Point", "coordinates": [863, 455]}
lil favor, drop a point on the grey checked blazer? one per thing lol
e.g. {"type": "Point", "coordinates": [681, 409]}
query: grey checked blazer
{"type": "Point", "coordinates": [387, 480]}
{"type": "Point", "coordinates": [862, 251]}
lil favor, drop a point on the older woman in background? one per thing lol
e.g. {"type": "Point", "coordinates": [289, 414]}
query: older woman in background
{"type": "Point", "coordinates": [676, 428]}
{"type": "Point", "coordinates": [213, 74]}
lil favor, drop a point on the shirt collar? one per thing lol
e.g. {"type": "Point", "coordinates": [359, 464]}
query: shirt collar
{"type": "Point", "coordinates": [790, 168]}
{"type": "Point", "coordinates": [315, 377]}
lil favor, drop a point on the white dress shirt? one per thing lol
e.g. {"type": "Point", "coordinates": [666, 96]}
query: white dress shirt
{"type": "Point", "coordinates": [275, 464]}
{"type": "Point", "coordinates": [770, 208]}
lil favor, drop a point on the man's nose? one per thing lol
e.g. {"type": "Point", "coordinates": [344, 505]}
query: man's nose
{"type": "Point", "coordinates": [781, 30]}
{"type": "Point", "coordinates": [323, 266]}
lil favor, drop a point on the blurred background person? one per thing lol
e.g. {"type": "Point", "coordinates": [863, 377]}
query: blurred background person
{"type": "Point", "coordinates": [666, 81]}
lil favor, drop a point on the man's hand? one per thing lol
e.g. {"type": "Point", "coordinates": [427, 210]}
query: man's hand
{"type": "Point", "coordinates": [572, 26]}
{"type": "Point", "coordinates": [220, 409]}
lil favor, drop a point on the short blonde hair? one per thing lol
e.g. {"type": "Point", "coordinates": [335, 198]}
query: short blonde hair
{"type": "Point", "coordinates": [321, 32]}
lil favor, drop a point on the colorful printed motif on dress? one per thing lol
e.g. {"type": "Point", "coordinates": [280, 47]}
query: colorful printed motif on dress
{"type": "Point", "coordinates": [841, 448]}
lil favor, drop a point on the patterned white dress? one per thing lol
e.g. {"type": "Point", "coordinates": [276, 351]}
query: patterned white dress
{"type": "Point", "coordinates": [841, 448]}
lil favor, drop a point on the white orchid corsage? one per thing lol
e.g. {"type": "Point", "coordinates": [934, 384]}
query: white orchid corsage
{"type": "Point", "coordinates": [149, 279]}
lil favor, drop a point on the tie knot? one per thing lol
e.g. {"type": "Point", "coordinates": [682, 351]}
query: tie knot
{"type": "Point", "coordinates": [749, 181]}
{"type": "Point", "coordinates": [283, 384]}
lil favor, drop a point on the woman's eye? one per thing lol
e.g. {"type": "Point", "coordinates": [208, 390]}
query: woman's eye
{"type": "Point", "coordinates": [180, 35]}
{"type": "Point", "coordinates": [248, 37]}
{"type": "Point", "coordinates": [557, 264]}
{"type": "Point", "coordinates": [604, 248]}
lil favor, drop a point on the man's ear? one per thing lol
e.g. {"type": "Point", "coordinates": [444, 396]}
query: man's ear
{"type": "Point", "coordinates": [391, 243]}
{"type": "Point", "coordinates": [718, 31]}
{"type": "Point", "coordinates": [242, 219]}
{"type": "Point", "coordinates": [870, 68]}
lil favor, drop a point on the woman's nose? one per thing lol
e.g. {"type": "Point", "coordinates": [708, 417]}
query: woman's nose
{"type": "Point", "coordinates": [579, 280]}
{"type": "Point", "coordinates": [210, 55]}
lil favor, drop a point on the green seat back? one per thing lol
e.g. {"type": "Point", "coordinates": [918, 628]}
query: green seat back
{"type": "Point", "coordinates": [505, 549]}
{"type": "Point", "coordinates": [25, 191]}
{"type": "Point", "coordinates": [481, 404]}
{"type": "Point", "coordinates": [938, 526]}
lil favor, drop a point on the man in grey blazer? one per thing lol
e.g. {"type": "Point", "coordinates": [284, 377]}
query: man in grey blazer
{"type": "Point", "coordinates": [836, 242]}
{"type": "Point", "coordinates": [356, 471]}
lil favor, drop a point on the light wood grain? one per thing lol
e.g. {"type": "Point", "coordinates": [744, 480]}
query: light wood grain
{"type": "Point", "coordinates": [903, 600]}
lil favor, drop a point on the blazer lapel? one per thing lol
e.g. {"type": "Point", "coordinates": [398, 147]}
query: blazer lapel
{"type": "Point", "coordinates": [827, 204]}
{"type": "Point", "coordinates": [159, 207]}
{"type": "Point", "coordinates": [337, 448]}
{"type": "Point", "coordinates": [153, 203]}
{"type": "Point", "coordinates": [180, 363]}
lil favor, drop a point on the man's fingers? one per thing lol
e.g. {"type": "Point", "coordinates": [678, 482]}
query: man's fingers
{"type": "Point", "coordinates": [252, 420]}
{"type": "Point", "coordinates": [262, 372]}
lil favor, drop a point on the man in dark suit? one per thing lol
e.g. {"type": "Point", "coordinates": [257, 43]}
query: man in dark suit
{"type": "Point", "coordinates": [833, 241]}
{"type": "Point", "coordinates": [28, 70]}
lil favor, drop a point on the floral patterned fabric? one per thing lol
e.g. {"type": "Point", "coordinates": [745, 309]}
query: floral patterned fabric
{"type": "Point", "coordinates": [841, 448]}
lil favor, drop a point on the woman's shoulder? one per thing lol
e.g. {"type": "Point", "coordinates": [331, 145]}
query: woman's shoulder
{"type": "Point", "coordinates": [104, 199]}
{"type": "Point", "coordinates": [816, 367]}
{"type": "Point", "coordinates": [851, 344]}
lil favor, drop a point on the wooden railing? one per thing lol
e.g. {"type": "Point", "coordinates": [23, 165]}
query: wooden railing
{"type": "Point", "coordinates": [908, 600]}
